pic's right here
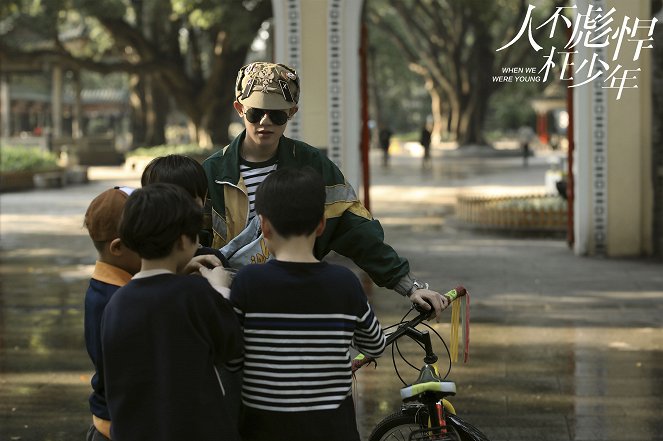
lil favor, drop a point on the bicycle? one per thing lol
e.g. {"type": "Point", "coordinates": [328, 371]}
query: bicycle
{"type": "Point", "coordinates": [425, 414]}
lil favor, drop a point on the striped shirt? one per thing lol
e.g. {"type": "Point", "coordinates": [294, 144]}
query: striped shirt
{"type": "Point", "coordinates": [253, 173]}
{"type": "Point", "coordinates": [299, 321]}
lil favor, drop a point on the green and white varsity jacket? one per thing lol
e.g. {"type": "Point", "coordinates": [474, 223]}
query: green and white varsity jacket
{"type": "Point", "coordinates": [350, 231]}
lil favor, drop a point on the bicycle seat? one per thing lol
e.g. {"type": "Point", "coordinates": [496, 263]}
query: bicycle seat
{"type": "Point", "coordinates": [439, 388]}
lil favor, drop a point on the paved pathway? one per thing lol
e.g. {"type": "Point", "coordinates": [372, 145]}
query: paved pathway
{"type": "Point", "coordinates": [563, 347]}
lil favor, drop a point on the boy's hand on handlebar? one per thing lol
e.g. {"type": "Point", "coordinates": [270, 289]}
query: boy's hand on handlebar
{"type": "Point", "coordinates": [427, 297]}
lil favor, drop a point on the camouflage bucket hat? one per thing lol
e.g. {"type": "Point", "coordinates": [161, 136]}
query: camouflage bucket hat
{"type": "Point", "coordinates": [267, 86]}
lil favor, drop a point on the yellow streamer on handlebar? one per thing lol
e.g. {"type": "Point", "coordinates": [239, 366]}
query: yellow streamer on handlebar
{"type": "Point", "coordinates": [459, 299]}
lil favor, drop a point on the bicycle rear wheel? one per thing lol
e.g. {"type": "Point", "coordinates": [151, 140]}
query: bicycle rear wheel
{"type": "Point", "coordinates": [402, 426]}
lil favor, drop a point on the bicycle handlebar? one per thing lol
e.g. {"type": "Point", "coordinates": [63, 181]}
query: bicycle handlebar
{"type": "Point", "coordinates": [408, 327]}
{"type": "Point", "coordinates": [424, 314]}
{"type": "Point", "coordinates": [452, 295]}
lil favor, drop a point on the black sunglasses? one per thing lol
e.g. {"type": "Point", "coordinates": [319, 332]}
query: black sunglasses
{"type": "Point", "coordinates": [278, 117]}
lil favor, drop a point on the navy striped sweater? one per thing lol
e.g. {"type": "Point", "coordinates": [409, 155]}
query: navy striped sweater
{"type": "Point", "coordinates": [299, 321]}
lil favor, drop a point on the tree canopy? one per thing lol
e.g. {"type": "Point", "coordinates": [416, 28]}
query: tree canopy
{"type": "Point", "coordinates": [452, 45]}
{"type": "Point", "coordinates": [187, 51]}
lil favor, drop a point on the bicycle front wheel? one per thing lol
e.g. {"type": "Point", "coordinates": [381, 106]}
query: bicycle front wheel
{"type": "Point", "coordinates": [402, 426]}
{"type": "Point", "coordinates": [395, 427]}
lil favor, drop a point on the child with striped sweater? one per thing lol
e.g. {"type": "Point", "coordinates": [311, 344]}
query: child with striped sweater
{"type": "Point", "coordinates": [299, 316]}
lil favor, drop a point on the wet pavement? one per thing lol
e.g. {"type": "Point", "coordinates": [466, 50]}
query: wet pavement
{"type": "Point", "coordinates": [562, 347]}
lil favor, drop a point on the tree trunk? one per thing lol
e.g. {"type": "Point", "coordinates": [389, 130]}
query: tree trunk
{"type": "Point", "coordinates": [455, 113]}
{"type": "Point", "coordinates": [161, 111]}
{"type": "Point", "coordinates": [217, 122]}
{"type": "Point", "coordinates": [150, 107]}
{"type": "Point", "coordinates": [218, 114]}
{"type": "Point", "coordinates": [440, 114]}
{"type": "Point", "coordinates": [157, 108]}
{"type": "Point", "coordinates": [474, 100]}
{"type": "Point", "coordinates": [209, 106]}
{"type": "Point", "coordinates": [138, 123]}
{"type": "Point", "coordinates": [470, 128]}
{"type": "Point", "coordinates": [472, 116]}
{"type": "Point", "coordinates": [207, 102]}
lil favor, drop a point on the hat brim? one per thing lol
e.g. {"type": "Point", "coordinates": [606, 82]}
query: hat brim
{"type": "Point", "coordinates": [269, 101]}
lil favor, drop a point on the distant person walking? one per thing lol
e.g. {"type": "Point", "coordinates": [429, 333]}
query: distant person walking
{"type": "Point", "coordinates": [526, 136]}
{"type": "Point", "coordinates": [526, 153]}
{"type": "Point", "coordinates": [384, 138]}
{"type": "Point", "coordinates": [424, 140]}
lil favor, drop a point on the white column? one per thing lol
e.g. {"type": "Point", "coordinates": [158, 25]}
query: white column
{"type": "Point", "coordinates": [320, 38]}
{"type": "Point", "coordinates": [5, 106]}
{"type": "Point", "coordinates": [56, 101]}
{"type": "Point", "coordinates": [344, 20]}
{"type": "Point", "coordinates": [77, 120]}
{"type": "Point", "coordinates": [613, 187]}
{"type": "Point", "coordinates": [287, 46]}
{"type": "Point", "coordinates": [582, 204]}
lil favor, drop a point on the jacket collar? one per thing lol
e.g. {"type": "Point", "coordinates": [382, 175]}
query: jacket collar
{"type": "Point", "coordinates": [107, 273]}
{"type": "Point", "coordinates": [228, 169]}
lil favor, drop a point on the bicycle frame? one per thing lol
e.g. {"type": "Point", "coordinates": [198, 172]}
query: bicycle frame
{"type": "Point", "coordinates": [436, 407]}
{"type": "Point", "coordinates": [425, 413]}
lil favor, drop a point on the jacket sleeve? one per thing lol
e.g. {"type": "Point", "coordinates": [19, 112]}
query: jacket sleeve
{"type": "Point", "coordinates": [362, 241]}
{"type": "Point", "coordinates": [352, 232]}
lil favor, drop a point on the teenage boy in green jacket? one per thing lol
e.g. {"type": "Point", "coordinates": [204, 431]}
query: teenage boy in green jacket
{"type": "Point", "coordinates": [266, 98]}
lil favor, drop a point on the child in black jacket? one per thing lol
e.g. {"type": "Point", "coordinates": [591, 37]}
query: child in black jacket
{"type": "Point", "coordinates": [163, 334]}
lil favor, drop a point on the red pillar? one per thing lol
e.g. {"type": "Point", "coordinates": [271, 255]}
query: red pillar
{"type": "Point", "coordinates": [365, 135]}
{"type": "Point", "coordinates": [570, 195]}
{"type": "Point", "coordinates": [542, 127]}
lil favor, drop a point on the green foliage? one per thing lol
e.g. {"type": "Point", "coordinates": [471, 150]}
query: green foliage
{"type": "Point", "coordinates": [401, 95]}
{"type": "Point", "coordinates": [411, 136]}
{"type": "Point", "coordinates": [399, 92]}
{"type": "Point", "coordinates": [453, 44]}
{"type": "Point", "coordinates": [105, 8]}
{"type": "Point", "coordinates": [93, 80]}
{"type": "Point", "coordinates": [531, 203]}
{"type": "Point", "coordinates": [510, 108]}
{"type": "Point", "coordinates": [189, 50]}
{"type": "Point", "coordinates": [20, 158]}
{"type": "Point", "coordinates": [163, 150]}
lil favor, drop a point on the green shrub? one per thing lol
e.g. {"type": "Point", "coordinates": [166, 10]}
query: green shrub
{"type": "Point", "coordinates": [408, 136]}
{"type": "Point", "coordinates": [14, 159]}
{"type": "Point", "coordinates": [538, 203]}
{"type": "Point", "coordinates": [163, 150]}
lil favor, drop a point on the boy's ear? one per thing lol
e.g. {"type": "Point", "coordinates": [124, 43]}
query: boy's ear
{"type": "Point", "coordinates": [266, 227]}
{"type": "Point", "coordinates": [115, 246]}
{"type": "Point", "coordinates": [238, 108]}
{"type": "Point", "coordinates": [321, 227]}
{"type": "Point", "coordinates": [180, 244]}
